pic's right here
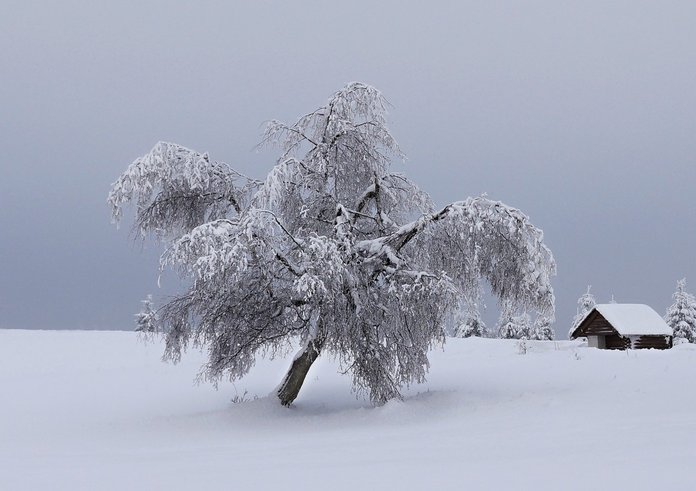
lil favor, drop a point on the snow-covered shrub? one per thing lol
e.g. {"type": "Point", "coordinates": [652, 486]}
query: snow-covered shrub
{"type": "Point", "coordinates": [522, 347]}
{"type": "Point", "coordinates": [542, 330]}
{"type": "Point", "coordinates": [514, 326]}
{"type": "Point", "coordinates": [471, 325]}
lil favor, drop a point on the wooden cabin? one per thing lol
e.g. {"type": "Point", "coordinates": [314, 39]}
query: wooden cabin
{"type": "Point", "coordinates": [624, 326]}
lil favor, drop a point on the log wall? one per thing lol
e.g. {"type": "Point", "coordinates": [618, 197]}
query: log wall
{"type": "Point", "coordinates": [654, 342]}
{"type": "Point", "coordinates": [596, 325]}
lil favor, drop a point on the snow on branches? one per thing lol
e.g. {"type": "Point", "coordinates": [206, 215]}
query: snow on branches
{"type": "Point", "coordinates": [332, 250]}
{"type": "Point", "coordinates": [176, 189]}
{"type": "Point", "coordinates": [586, 303]}
{"type": "Point", "coordinates": [472, 325]}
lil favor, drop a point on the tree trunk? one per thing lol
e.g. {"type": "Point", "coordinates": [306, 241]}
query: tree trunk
{"type": "Point", "coordinates": [290, 386]}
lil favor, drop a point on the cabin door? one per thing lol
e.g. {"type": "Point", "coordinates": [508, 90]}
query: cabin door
{"type": "Point", "coordinates": [598, 341]}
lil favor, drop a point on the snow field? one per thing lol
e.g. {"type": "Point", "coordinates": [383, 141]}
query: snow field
{"type": "Point", "coordinates": [98, 410]}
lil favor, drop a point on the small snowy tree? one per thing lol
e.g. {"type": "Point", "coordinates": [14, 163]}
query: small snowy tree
{"type": "Point", "coordinates": [586, 303]}
{"type": "Point", "coordinates": [507, 329]}
{"type": "Point", "coordinates": [524, 325]}
{"type": "Point", "coordinates": [472, 325]}
{"type": "Point", "coordinates": [542, 329]}
{"type": "Point", "coordinates": [332, 250]}
{"type": "Point", "coordinates": [681, 315]}
{"type": "Point", "coordinates": [146, 320]}
{"type": "Point", "coordinates": [513, 326]}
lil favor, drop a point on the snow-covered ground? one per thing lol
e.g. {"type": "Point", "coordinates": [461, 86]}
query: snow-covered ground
{"type": "Point", "coordinates": [99, 411]}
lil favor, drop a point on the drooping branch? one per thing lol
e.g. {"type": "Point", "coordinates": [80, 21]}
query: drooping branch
{"type": "Point", "coordinates": [519, 270]}
{"type": "Point", "coordinates": [176, 189]}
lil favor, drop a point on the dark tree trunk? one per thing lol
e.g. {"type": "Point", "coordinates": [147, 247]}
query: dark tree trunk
{"type": "Point", "coordinates": [290, 387]}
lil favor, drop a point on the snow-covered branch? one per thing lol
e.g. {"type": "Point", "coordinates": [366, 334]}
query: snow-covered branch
{"type": "Point", "coordinates": [175, 189]}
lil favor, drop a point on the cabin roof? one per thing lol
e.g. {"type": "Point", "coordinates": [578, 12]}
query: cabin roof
{"type": "Point", "coordinates": [632, 319]}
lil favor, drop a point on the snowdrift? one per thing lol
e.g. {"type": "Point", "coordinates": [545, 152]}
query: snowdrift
{"type": "Point", "coordinates": [98, 410]}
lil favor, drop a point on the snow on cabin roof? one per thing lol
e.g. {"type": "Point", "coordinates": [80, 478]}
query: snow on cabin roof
{"type": "Point", "coordinates": [634, 319]}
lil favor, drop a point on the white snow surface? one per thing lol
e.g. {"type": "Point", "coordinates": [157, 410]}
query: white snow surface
{"type": "Point", "coordinates": [633, 319]}
{"type": "Point", "coordinates": [98, 410]}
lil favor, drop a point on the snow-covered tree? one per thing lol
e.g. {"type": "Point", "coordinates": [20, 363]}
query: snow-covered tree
{"type": "Point", "coordinates": [586, 303]}
{"type": "Point", "coordinates": [681, 315]}
{"type": "Point", "coordinates": [332, 250]}
{"type": "Point", "coordinates": [146, 320]}
{"type": "Point", "coordinates": [542, 330]}
{"type": "Point", "coordinates": [471, 325]}
{"type": "Point", "coordinates": [512, 326]}
{"type": "Point", "coordinates": [507, 329]}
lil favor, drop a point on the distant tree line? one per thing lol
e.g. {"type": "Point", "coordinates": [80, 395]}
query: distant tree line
{"type": "Point", "coordinates": [680, 316]}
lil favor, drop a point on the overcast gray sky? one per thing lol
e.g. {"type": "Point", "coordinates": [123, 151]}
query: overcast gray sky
{"type": "Point", "coordinates": [582, 114]}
